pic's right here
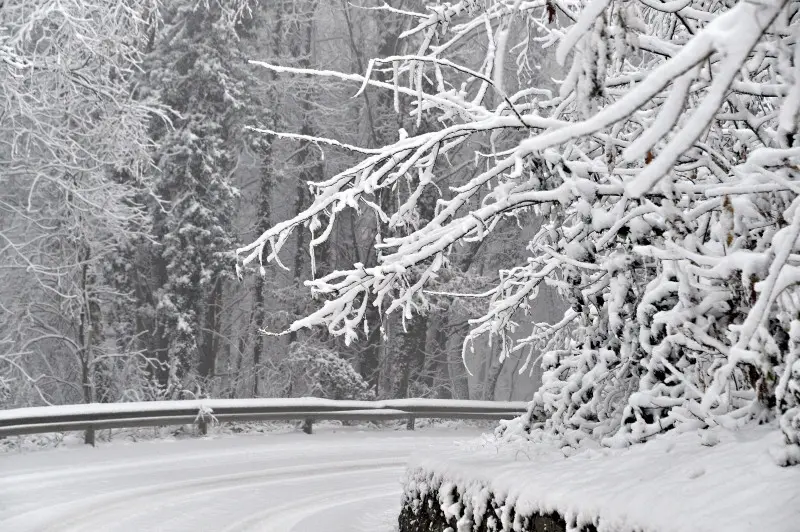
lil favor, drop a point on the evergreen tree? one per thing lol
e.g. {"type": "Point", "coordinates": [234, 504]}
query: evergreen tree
{"type": "Point", "coordinates": [196, 67]}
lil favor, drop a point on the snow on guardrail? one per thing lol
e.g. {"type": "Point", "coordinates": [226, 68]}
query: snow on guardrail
{"type": "Point", "coordinates": [156, 413]}
{"type": "Point", "coordinates": [274, 404]}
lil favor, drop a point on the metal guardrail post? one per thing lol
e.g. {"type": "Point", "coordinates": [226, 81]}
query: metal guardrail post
{"type": "Point", "coordinates": [308, 425]}
{"type": "Point", "coordinates": [411, 423]}
{"type": "Point", "coordinates": [89, 436]}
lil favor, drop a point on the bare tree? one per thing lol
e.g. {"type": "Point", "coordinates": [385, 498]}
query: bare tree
{"type": "Point", "coordinates": [73, 150]}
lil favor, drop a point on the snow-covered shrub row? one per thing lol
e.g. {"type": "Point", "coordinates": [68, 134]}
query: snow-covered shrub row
{"type": "Point", "coordinates": [432, 504]}
{"type": "Point", "coordinates": [657, 486]}
{"type": "Point", "coordinates": [664, 164]}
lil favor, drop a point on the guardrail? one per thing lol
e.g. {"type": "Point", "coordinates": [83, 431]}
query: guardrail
{"type": "Point", "coordinates": [202, 412]}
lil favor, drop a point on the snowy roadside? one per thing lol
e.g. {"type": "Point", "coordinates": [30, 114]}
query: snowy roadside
{"type": "Point", "coordinates": [676, 483]}
{"type": "Point", "coordinates": [348, 481]}
{"type": "Point", "coordinates": [55, 440]}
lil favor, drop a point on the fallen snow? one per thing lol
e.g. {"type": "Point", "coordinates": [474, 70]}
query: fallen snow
{"type": "Point", "coordinates": [343, 481]}
{"type": "Point", "coordinates": [725, 481]}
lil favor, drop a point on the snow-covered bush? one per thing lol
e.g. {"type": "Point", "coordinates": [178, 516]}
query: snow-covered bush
{"type": "Point", "coordinates": [316, 371]}
{"type": "Point", "coordinates": [665, 164]}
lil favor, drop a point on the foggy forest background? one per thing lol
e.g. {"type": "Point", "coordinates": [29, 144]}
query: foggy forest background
{"type": "Point", "coordinates": [131, 171]}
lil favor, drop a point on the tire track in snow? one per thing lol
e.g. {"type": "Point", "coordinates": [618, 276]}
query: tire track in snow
{"type": "Point", "coordinates": [44, 477]}
{"type": "Point", "coordinates": [96, 512]}
{"type": "Point", "coordinates": [284, 517]}
{"type": "Point", "coordinates": [335, 482]}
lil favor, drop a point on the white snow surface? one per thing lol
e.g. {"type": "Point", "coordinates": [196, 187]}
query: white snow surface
{"type": "Point", "coordinates": [337, 480]}
{"type": "Point", "coordinates": [715, 481]}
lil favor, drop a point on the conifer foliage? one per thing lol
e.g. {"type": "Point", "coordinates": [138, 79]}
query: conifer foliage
{"type": "Point", "coordinates": [195, 67]}
{"type": "Point", "coordinates": [666, 168]}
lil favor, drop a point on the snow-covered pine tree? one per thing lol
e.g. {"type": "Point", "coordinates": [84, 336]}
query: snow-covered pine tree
{"type": "Point", "coordinates": [196, 67]}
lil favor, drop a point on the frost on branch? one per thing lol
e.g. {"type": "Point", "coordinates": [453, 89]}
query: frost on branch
{"type": "Point", "coordinates": [665, 166]}
{"type": "Point", "coordinates": [74, 154]}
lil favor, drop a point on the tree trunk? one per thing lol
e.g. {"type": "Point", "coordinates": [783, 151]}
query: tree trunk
{"type": "Point", "coordinates": [455, 363]}
{"type": "Point", "coordinates": [310, 167]}
{"type": "Point", "coordinates": [264, 207]}
{"type": "Point", "coordinates": [437, 377]}
{"type": "Point", "coordinates": [210, 334]}
{"type": "Point", "coordinates": [159, 334]}
{"type": "Point", "coordinates": [495, 369]}
{"type": "Point", "coordinates": [369, 359]}
{"type": "Point", "coordinates": [258, 342]}
{"type": "Point", "coordinates": [238, 372]}
{"type": "Point", "coordinates": [411, 353]}
{"type": "Point", "coordinates": [85, 339]}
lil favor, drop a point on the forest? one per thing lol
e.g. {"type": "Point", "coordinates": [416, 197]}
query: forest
{"type": "Point", "coordinates": [134, 163]}
{"type": "Point", "coordinates": [594, 200]}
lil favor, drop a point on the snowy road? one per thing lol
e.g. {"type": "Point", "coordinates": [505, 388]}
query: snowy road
{"type": "Point", "coordinates": [326, 482]}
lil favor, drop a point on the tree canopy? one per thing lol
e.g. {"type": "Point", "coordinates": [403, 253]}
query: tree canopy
{"type": "Point", "coordinates": [662, 168]}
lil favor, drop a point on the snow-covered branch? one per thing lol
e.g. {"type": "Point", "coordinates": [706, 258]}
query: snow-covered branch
{"type": "Point", "coordinates": [665, 173]}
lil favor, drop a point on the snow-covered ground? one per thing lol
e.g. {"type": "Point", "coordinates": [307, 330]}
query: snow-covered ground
{"type": "Point", "coordinates": [715, 481]}
{"type": "Point", "coordinates": [343, 480]}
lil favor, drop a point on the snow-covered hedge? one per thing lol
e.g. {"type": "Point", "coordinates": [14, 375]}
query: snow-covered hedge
{"type": "Point", "coordinates": [708, 480]}
{"type": "Point", "coordinates": [431, 504]}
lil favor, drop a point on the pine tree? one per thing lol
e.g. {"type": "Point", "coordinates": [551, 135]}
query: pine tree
{"type": "Point", "coordinates": [196, 67]}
